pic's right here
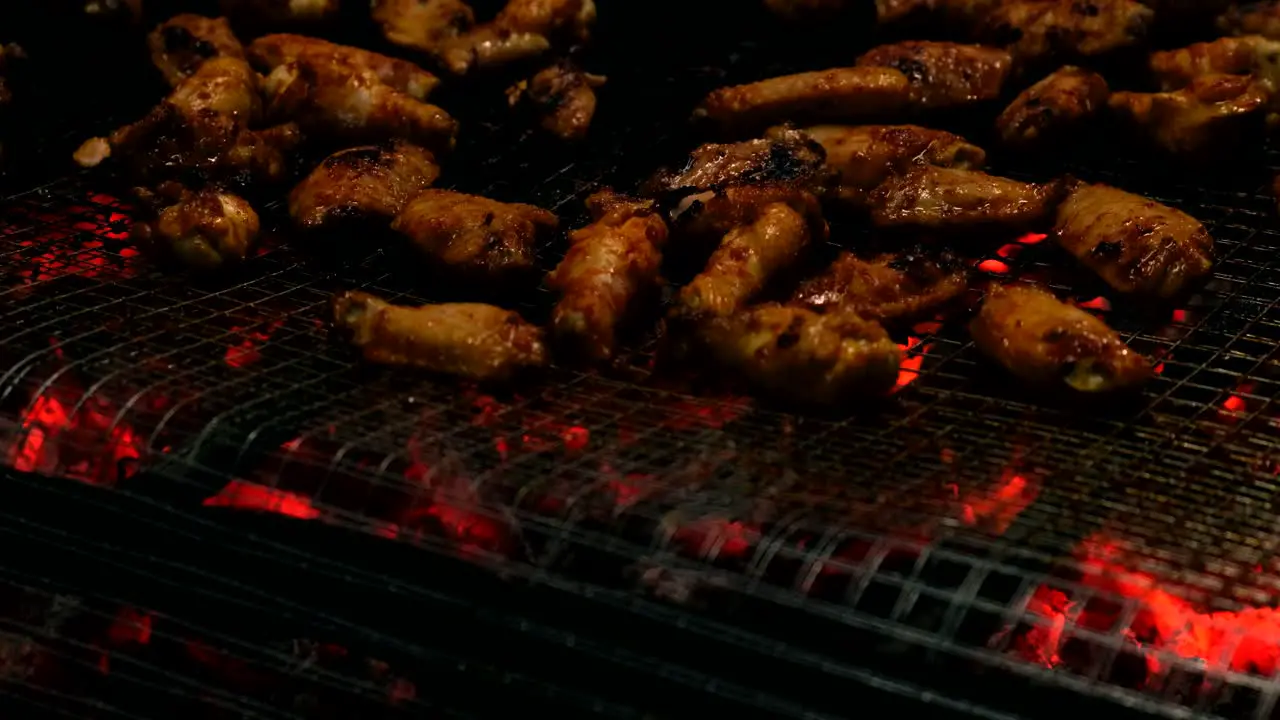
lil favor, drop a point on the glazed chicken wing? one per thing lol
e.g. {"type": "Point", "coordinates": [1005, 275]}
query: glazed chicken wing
{"type": "Point", "coordinates": [612, 264]}
{"type": "Point", "coordinates": [784, 156]}
{"type": "Point", "coordinates": [858, 93]}
{"type": "Point", "coordinates": [1052, 108]}
{"type": "Point", "coordinates": [1049, 343]}
{"type": "Point", "coordinates": [563, 96]}
{"type": "Point", "coordinates": [280, 13]}
{"type": "Point", "coordinates": [183, 43]}
{"type": "Point", "coordinates": [1039, 30]}
{"type": "Point", "coordinates": [886, 288]}
{"type": "Point", "coordinates": [203, 230]}
{"type": "Point", "coordinates": [944, 74]}
{"type": "Point", "coordinates": [1258, 18]}
{"type": "Point", "coordinates": [366, 183]}
{"type": "Point", "coordinates": [864, 156]}
{"type": "Point", "coordinates": [1248, 55]}
{"type": "Point", "coordinates": [271, 51]}
{"type": "Point", "coordinates": [469, 340]}
{"type": "Point", "coordinates": [1135, 244]}
{"type": "Point", "coordinates": [934, 197]}
{"type": "Point", "coordinates": [799, 355]}
{"type": "Point", "coordinates": [1211, 113]}
{"type": "Point", "coordinates": [474, 236]}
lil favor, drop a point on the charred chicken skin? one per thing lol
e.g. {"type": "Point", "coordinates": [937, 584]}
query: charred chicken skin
{"type": "Point", "coordinates": [1136, 245]}
{"type": "Point", "coordinates": [469, 340]}
{"type": "Point", "coordinates": [802, 356]}
{"type": "Point", "coordinates": [944, 74]}
{"type": "Point", "coordinates": [562, 96]}
{"type": "Point", "coordinates": [271, 51]}
{"type": "Point", "coordinates": [1048, 343]}
{"type": "Point", "coordinates": [841, 94]}
{"type": "Point", "coordinates": [1212, 112]}
{"type": "Point", "coordinates": [1039, 30]}
{"type": "Point", "coordinates": [948, 198]}
{"type": "Point", "coordinates": [1257, 18]}
{"type": "Point", "coordinates": [203, 230]}
{"type": "Point", "coordinates": [180, 45]}
{"type": "Point", "coordinates": [473, 236]}
{"type": "Point", "coordinates": [1052, 108]}
{"type": "Point", "coordinates": [612, 265]}
{"type": "Point", "coordinates": [784, 156]}
{"type": "Point", "coordinates": [366, 183]}
{"type": "Point", "coordinates": [886, 288]}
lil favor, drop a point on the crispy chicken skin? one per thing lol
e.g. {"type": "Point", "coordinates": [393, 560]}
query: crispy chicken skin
{"type": "Point", "coordinates": [522, 30]}
{"type": "Point", "coordinates": [1052, 108]}
{"type": "Point", "coordinates": [280, 13]}
{"type": "Point", "coordinates": [612, 264]}
{"type": "Point", "coordinates": [469, 340]}
{"type": "Point", "coordinates": [785, 155]}
{"type": "Point", "coordinates": [1135, 244]}
{"type": "Point", "coordinates": [803, 356]}
{"type": "Point", "coordinates": [748, 257]}
{"type": "Point", "coordinates": [863, 156]}
{"type": "Point", "coordinates": [183, 43]}
{"type": "Point", "coordinates": [367, 183]}
{"type": "Point", "coordinates": [944, 74]}
{"type": "Point", "coordinates": [1258, 18]}
{"type": "Point", "coordinates": [205, 230]}
{"type": "Point", "coordinates": [1048, 343]}
{"type": "Point", "coordinates": [474, 236]}
{"type": "Point", "coordinates": [1247, 55]}
{"type": "Point", "coordinates": [934, 197]}
{"type": "Point", "coordinates": [886, 288]}
{"type": "Point", "coordinates": [840, 94]}
{"type": "Point", "coordinates": [965, 13]}
{"type": "Point", "coordinates": [1040, 30]}
{"type": "Point", "coordinates": [1213, 112]}
{"type": "Point", "coordinates": [563, 96]}
{"type": "Point", "coordinates": [271, 51]}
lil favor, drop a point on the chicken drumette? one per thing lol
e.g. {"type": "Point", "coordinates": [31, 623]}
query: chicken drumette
{"type": "Point", "coordinates": [180, 45]}
{"type": "Point", "coordinates": [944, 74]}
{"type": "Point", "coordinates": [364, 183]}
{"type": "Point", "coordinates": [1052, 108]}
{"type": "Point", "coordinates": [562, 96]}
{"type": "Point", "coordinates": [840, 94]}
{"type": "Point", "coordinates": [1213, 112]}
{"type": "Point", "coordinates": [1036, 31]}
{"type": "Point", "coordinates": [204, 230]}
{"type": "Point", "coordinates": [887, 288]}
{"type": "Point", "coordinates": [948, 198]}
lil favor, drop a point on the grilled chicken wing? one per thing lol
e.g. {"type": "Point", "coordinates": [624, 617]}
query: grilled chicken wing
{"type": "Point", "coordinates": [423, 24]}
{"type": "Point", "coordinates": [748, 257]}
{"type": "Point", "coordinates": [964, 13]}
{"type": "Point", "coordinates": [1135, 244]}
{"type": "Point", "coordinates": [474, 236]}
{"type": "Point", "coordinates": [1047, 342]}
{"type": "Point", "coordinates": [280, 13]}
{"type": "Point", "coordinates": [1258, 18]}
{"type": "Point", "coordinates": [786, 155]}
{"type": "Point", "coordinates": [1214, 111]}
{"type": "Point", "coordinates": [271, 51]}
{"type": "Point", "coordinates": [944, 74]}
{"type": "Point", "coordinates": [611, 265]}
{"type": "Point", "coordinates": [1039, 30]}
{"type": "Point", "coordinates": [1248, 55]}
{"type": "Point", "coordinates": [802, 356]}
{"type": "Point", "coordinates": [716, 214]}
{"type": "Point", "coordinates": [863, 156]}
{"type": "Point", "coordinates": [934, 197]}
{"type": "Point", "coordinates": [479, 342]}
{"type": "Point", "coordinates": [372, 182]}
{"type": "Point", "coordinates": [1053, 107]}
{"type": "Point", "coordinates": [857, 93]}
{"type": "Point", "coordinates": [886, 288]}
{"type": "Point", "coordinates": [523, 29]}
{"type": "Point", "coordinates": [204, 230]}
{"type": "Point", "coordinates": [183, 43]}
{"type": "Point", "coordinates": [563, 96]}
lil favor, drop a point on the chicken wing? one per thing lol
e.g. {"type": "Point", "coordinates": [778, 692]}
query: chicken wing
{"type": "Point", "coordinates": [365, 183]}
{"type": "Point", "coordinates": [944, 74]}
{"type": "Point", "coordinates": [472, 236]}
{"type": "Point", "coordinates": [1135, 244]}
{"type": "Point", "coordinates": [953, 13]}
{"type": "Point", "coordinates": [804, 357]}
{"type": "Point", "coordinates": [180, 45]}
{"type": "Point", "coordinates": [271, 51]}
{"type": "Point", "coordinates": [1052, 108]}
{"type": "Point", "coordinates": [469, 340]}
{"type": "Point", "coordinates": [424, 25]}
{"type": "Point", "coordinates": [715, 214]}
{"type": "Point", "coordinates": [1258, 18]}
{"type": "Point", "coordinates": [786, 155]}
{"type": "Point", "coordinates": [524, 29]}
{"type": "Point", "coordinates": [934, 197]}
{"type": "Point", "coordinates": [563, 96]}
{"type": "Point", "coordinates": [1211, 113]}
{"type": "Point", "coordinates": [1248, 55]}
{"type": "Point", "coordinates": [205, 230]}
{"type": "Point", "coordinates": [886, 288]}
{"type": "Point", "coordinates": [857, 93]}
{"type": "Point", "coordinates": [1049, 343]}
{"type": "Point", "coordinates": [280, 13]}
{"type": "Point", "coordinates": [612, 264]}
{"type": "Point", "coordinates": [864, 156]}
{"type": "Point", "coordinates": [1039, 30]}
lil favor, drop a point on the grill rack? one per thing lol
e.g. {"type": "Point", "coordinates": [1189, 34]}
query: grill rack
{"type": "Point", "coordinates": [347, 441]}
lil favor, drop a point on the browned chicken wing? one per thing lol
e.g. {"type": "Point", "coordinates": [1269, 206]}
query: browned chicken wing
{"type": "Point", "coordinates": [863, 156]}
{"type": "Point", "coordinates": [271, 51]}
{"type": "Point", "coordinates": [563, 96]}
{"type": "Point", "coordinates": [366, 183]}
{"type": "Point", "coordinates": [1211, 113]}
{"type": "Point", "coordinates": [934, 197]}
{"type": "Point", "coordinates": [1135, 244]}
{"type": "Point", "coordinates": [469, 340]}
{"type": "Point", "coordinates": [523, 29]}
{"type": "Point", "coordinates": [857, 93]}
{"type": "Point", "coordinates": [1049, 343]}
{"type": "Point", "coordinates": [474, 236]}
{"type": "Point", "coordinates": [183, 43]}
{"type": "Point", "coordinates": [1052, 108]}
{"type": "Point", "coordinates": [964, 13]}
{"type": "Point", "coordinates": [717, 213]}
{"type": "Point", "coordinates": [886, 288]}
{"type": "Point", "coordinates": [1258, 18]}
{"type": "Point", "coordinates": [786, 155]}
{"type": "Point", "coordinates": [1040, 30]}
{"type": "Point", "coordinates": [423, 24]}
{"type": "Point", "coordinates": [944, 74]}
{"type": "Point", "coordinates": [803, 356]}
{"type": "Point", "coordinates": [1248, 55]}
{"type": "Point", "coordinates": [612, 264]}
{"type": "Point", "coordinates": [280, 13]}
{"type": "Point", "coordinates": [203, 230]}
